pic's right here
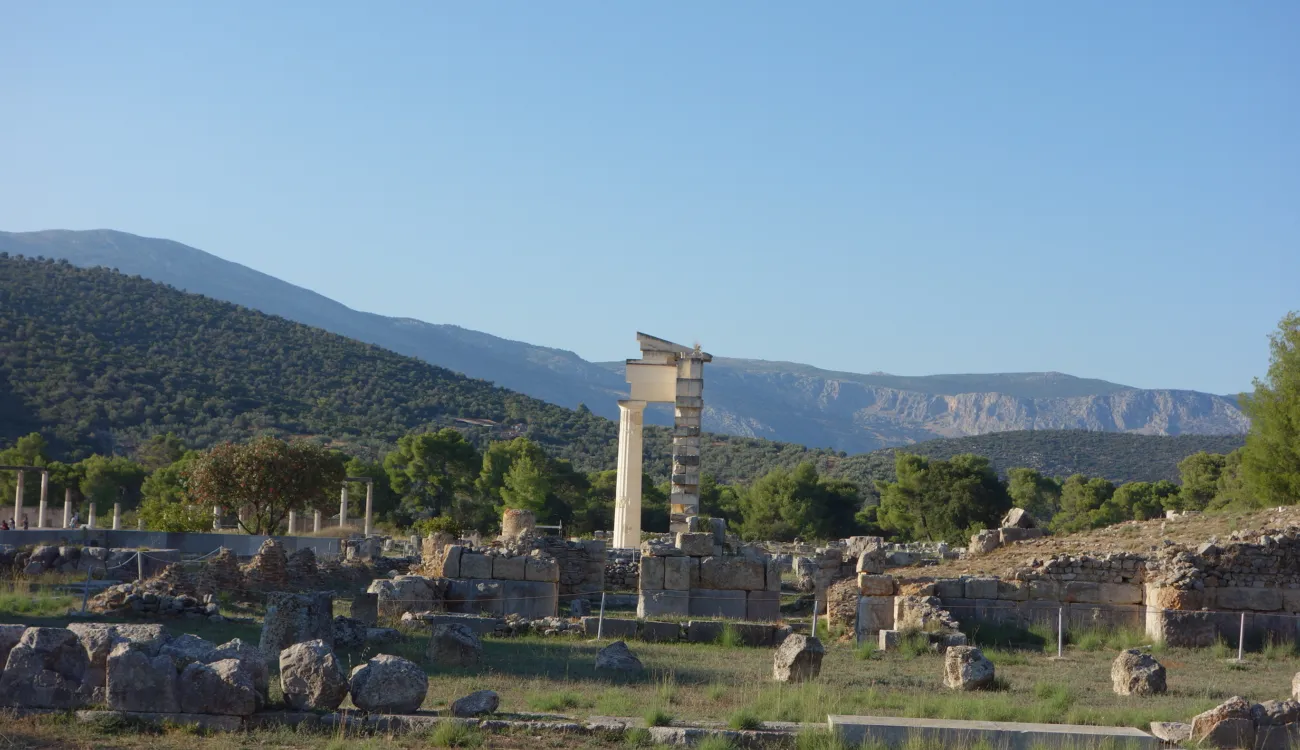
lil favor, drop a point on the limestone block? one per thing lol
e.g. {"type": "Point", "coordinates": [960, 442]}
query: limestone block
{"type": "Point", "coordinates": [545, 569]}
{"type": "Point", "coordinates": [773, 576]}
{"type": "Point", "coordinates": [1180, 629]}
{"type": "Point", "coordinates": [453, 645]}
{"type": "Point", "coordinates": [966, 668]}
{"type": "Point", "coordinates": [451, 561]}
{"type": "Point", "coordinates": [763, 606]}
{"type": "Point", "coordinates": [1291, 600]}
{"type": "Point", "coordinates": [388, 685]}
{"type": "Point", "coordinates": [798, 659]}
{"type": "Point", "coordinates": [221, 687]}
{"type": "Point", "coordinates": [695, 544]}
{"type": "Point", "coordinates": [1013, 591]}
{"type": "Point", "coordinates": [703, 631]}
{"type": "Point", "coordinates": [612, 628]}
{"type": "Point", "coordinates": [663, 603]}
{"type": "Point", "coordinates": [652, 573]}
{"type": "Point", "coordinates": [475, 565]}
{"type": "Point", "coordinates": [994, 610]}
{"type": "Point", "coordinates": [732, 574]}
{"type": "Point", "coordinates": [950, 588]}
{"type": "Point", "coordinates": [294, 618]}
{"type": "Point", "coordinates": [677, 572]}
{"type": "Point", "coordinates": [874, 613]}
{"type": "Point", "coordinates": [871, 585]}
{"type": "Point", "coordinates": [1258, 600]}
{"type": "Point", "coordinates": [718, 603]}
{"type": "Point", "coordinates": [507, 568]}
{"type": "Point", "coordinates": [531, 599]}
{"type": "Point", "coordinates": [1165, 597]}
{"type": "Point", "coordinates": [365, 607]}
{"type": "Point", "coordinates": [1047, 591]}
{"type": "Point", "coordinates": [139, 682]}
{"type": "Point", "coordinates": [1082, 592]}
{"type": "Point", "coordinates": [659, 632]}
{"type": "Point", "coordinates": [1119, 593]}
{"type": "Point", "coordinates": [981, 588]}
{"type": "Point", "coordinates": [1011, 536]}
{"type": "Point", "coordinates": [889, 640]}
{"type": "Point", "coordinates": [485, 596]}
{"type": "Point", "coordinates": [960, 608]}
{"type": "Point", "coordinates": [311, 678]}
{"type": "Point", "coordinates": [984, 542]}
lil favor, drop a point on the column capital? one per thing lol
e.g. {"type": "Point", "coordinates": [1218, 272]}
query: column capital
{"type": "Point", "coordinates": [632, 404]}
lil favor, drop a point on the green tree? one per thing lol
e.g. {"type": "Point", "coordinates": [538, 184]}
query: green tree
{"type": "Point", "coordinates": [1199, 473]}
{"type": "Point", "coordinates": [29, 450]}
{"type": "Point", "coordinates": [265, 478]}
{"type": "Point", "coordinates": [106, 481]}
{"type": "Point", "coordinates": [1080, 497]}
{"type": "Point", "coordinates": [160, 451]}
{"type": "Point", "coordinates": [431, 471]}
{"type": "Point", "coordinates": [1038, 494]}
{"type": "Point", "coordinates": [526, 486]}
{"type": "Point", "coordinates": [165, 503]}
{"type": "Point", "coordinates": [1231, 490]}
{"type": "Point", "coordinates": [384, 500]}
{"type": "Point", "coordinates": [785, 504]}
{"type": "Point", "coordinates": [1135, 501]}
{"type": "Point", "coordinates": [1270, 461]}
{"type": "Point", "coordinates": [939, 500]}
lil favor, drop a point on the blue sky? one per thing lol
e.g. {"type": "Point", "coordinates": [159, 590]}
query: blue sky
{"type": "Point", "coordinates": [1106, 189]}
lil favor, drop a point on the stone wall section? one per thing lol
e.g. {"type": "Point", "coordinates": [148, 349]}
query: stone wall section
{"type": "Point", "coordinates": [692, 577]}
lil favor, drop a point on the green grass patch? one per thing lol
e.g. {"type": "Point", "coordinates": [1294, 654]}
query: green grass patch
{"type": "Point", "coordinates": [714, 742]}
{"type": "Point", "coordinates": [866, 650]}
{"type": "Point", "coordinates": [455, 734]}
{"type": "Point", "coordinates": [562, 700]}
{"type": "Point", "coordinates": [637, 737]}
{"type": "Point", "coordinates": [744, 719]}
{"type": "Point", "coordinates": [36, 604]}
{"type": "Point", "coordinates": [657, 717]}
{"type": "Point", "coordinates": [729, 637]}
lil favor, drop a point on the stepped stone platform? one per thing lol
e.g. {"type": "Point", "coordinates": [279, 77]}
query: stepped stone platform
{"type": "Point", "coordinates": [895, 731]}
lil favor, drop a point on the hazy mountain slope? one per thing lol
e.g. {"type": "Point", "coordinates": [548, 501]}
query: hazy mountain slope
{"type": "Point", "coordinates": [775, 400]}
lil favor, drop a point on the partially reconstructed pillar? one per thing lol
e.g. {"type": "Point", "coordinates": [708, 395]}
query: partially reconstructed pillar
{"type": "Point", "coordinates": [666, 373]}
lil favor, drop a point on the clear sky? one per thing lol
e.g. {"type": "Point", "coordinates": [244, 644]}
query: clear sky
{"type": "Point", "coordinates": [1108, 189]}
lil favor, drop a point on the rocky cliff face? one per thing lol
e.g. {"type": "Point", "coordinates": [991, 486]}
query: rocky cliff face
{"type": "Point", "coordinates": [854, 416]}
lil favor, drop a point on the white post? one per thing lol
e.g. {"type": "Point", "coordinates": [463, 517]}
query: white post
{"type": "Point", "coordinates": [370, 502]}
{"type": "Point", "coordinates": [18, 501]}
{"type": "Point", "coordinates": [600, 623]}
{"type": "Point", "coordinates": [139, 566]}
{"type": "Point", "coordinates": [216, 518]}
{"type": "Point", "coordinates": [67, 507]}
{"type": "Point", "coordinates": [316, 522]}
{"type": "Point", "coordinates": [117, 516]}
{"type": "Point", "coordinates": [1060, 632]}
{"type": "Point", "coordinates": [814, 623]}
{"type": "Point", "coordinates": [90, 516]}
{"type": "Point", "coordinates": [45, 491]}
{"type": "Point", "coordinates": [627, 484]}
{"type": "Point", "coordinates": [343, 506]}
{"type": "Point", "coordinates": [293, 521]}
{"type": "Point", "coordinates": [1241, 638]}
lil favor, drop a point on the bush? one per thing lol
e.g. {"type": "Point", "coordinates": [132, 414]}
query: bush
{"type": "Point", "coordinates": [658, 717]}
{"type": "Point", "coordinates": [438, 524]}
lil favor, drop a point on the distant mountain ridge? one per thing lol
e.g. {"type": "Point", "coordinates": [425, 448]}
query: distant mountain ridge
{"type": "Point", "coordinates": [755, 398]}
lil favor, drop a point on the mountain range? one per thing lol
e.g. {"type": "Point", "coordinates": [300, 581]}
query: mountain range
{"type": "Point", "coordinates": [744, 397]}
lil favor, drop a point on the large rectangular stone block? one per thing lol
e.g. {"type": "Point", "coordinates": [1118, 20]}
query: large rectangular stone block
{"type": "Point", "coordinates": [613, 627]}
{"type": "Point", "coordinates": [451, 560]}
{"type": "Point", "coordinates": [950, 588]}
{"type": "Point", "coordinates": [677, 572]}
{"type": "Point", "coordinates": [1045, 591]}
{"type": "Point", "coordinates": [695, 544]}
{"type": "Point", "coordinates": [994, 610]}
{"type": "Point", "coordinates": [763, 606]}
{"type": "Point", "coordinates": [1013, 591]}
{"type": "Point", "coordinates": [874, 613]}
{"type": "Point", "coordinates": [1119, 593]}
{"type": "Point", "coordinates": [981, 588]}
{"type": "Point", "coordinates": [652, 573]}
{"type": "Point", "coordinates": [1011, 535]}
{"type": "Point", "coordinates": [475, 565]}
{"type": "Point", "coordinates": [659, 632]}
{"type": "Point", "coordinates": [719, 603]}
{"type": "Point", "coordinates": [871, 585]}
{"type": "Point", "coordinates": [1258, 600]}
{"type": "Point", "coordinates": [543, 569]}
{"type": "Point", "coordinates": [703, 631]}
{"type": "Point", "coordinates": [663, 603]}
{"type": "Point", "coordinates": [1082, 592]}
{"type": "Point", "coordinates": [773, 576]}
{"type": "Point", "coordinates": [508, 568]}
{"type": "Point", "coordinates": [732, 574]}
{"type": "Point", "coordinates": [474, 596]}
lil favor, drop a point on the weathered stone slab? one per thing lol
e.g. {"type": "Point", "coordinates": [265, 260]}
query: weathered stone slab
{"type": "Point", "coordinates": [480, 625]}
{"type": "Point", "coordinates": [875, 585]}
{"type": "Point", "coordinates": [659, 632]}
{"type": "Point", "coordinates": [763, 606]}
{"type": "Point", "coordinates": [703, 631]}
{"type": "Point", "coordinates": [531, 599]}
{"type": "Point", "coordinates": [450, 561]}
{"type": "Point", "coordinates": [1049, 591]}
{"type": "Point", "coordinates": [893, 731]}
{"type": "Point", "coordinates": [1082, 592]}
{"type": "Point", "coordinates": [695, 545]}
{"type": "Point", "coordinates": [651, 573]}
{"type": "Point", "coordinates": [718, 603]}
{"type": "Point", "coordinates": [732, 574]}
{"type": "Point", "coordinates": [981, 588]}
{"type": "Point", "coordinates": [1258, 600]}
{"type": "Point", "coordinates": [950, 588]}
{"type": "Point", "coordinates": [544, 569]}
{"type": "Point", "coordinates": [773, 575]}
{"type": "Point", "coordinates": [677, 572]}
{"type": "Point", "coordinates": [1013, 591]}
{"type": "Point", "coordinates": [661, 603]}
{"type": "Point", "coordinates": [475, 565]}
{"type": "Point", "coordinates": [207, 722]}
{"type": "Point", "coordinates": [874, 613]}
{"type": "Point", "coordinates": [1119, 593]}
{"type": "Point", "coordinates": [507, 568]}
{"type": "Point", "coordinates": [613, 627]}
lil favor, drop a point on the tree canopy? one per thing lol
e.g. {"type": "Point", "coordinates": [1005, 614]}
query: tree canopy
{"type": "Point", "coordinates": [1270, 461]}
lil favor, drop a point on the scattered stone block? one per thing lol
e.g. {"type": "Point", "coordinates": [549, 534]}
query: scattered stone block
{"type": "Point", "coordinates": [250, 660]}
{"type": "Point", "coordinates": [1277, 725]}
{"type": "Point", "coordinates": [1173, 732]}
{"type": "Point", "coordinates": [365, 607]}
{"type": "Point", "coordinates": [389, 684]}
{"type": "Point", "coordinates": [617, 657]}
{"type": "Point", "coordinates": [966, 668]}
{"type": "Point", "coordinates": [875, 613]}
{"type": "Point", "coordinates": [889, 640]}
{"type": "Point", "coordinates": [1228, 725]}
{"type": "Point", "coordinates": [479, 703]}
{"type": "Point", "coordinates": [580, 607]}
{"type": "Point", "coordinates": [875, 585]}
{"type": "Point", "coordinates": [136, 681]}
{"type": "Point", "coordinates": [1018, 518]}
{"type": "Point", "coordinates": [1137, 673]}
{"type": "Point", "coordinates": [311, 677]}
{"type": "Point", "coordinates": [44, 670]}
{"type": "Point", "coordinates": [984, 542]}
{"type": "Point", "coordinates": [222, 687]}
{"type": "Point", "coordinates": [454, 645]}
{"type": "Point", "coordinates": [294, 618]}
{"type": "Point", "coordinates": [798, 659]}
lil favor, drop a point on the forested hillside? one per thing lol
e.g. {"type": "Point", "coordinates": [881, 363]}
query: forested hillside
{"type": "Point", "coordinates": [98, 362]}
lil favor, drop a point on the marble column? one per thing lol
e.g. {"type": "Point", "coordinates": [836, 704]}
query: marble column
{"type": "Point", "coordinates": [117, 516]}
{"type": "Point", "coordinates": [67, 507]}
{"type": "Point", "coordinates": [316, 522]}
{"type": "Point", "coordinates": [370, 504]}
{"type": "Point", "coordinates": [45, 494]}
{"type": "Point", "coordinates": [343, 505]}
{"type": "Point", "coordinates": [293, 522]}
{"type": "Point", "coordinates": [627, 490]}
{"type": "Point", "coordinates": [18, 502]}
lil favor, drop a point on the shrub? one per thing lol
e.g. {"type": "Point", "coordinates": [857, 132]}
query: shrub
{"type": "Point", "coordinates": [657, 717]}
{"type": "Point", "coordinates": [744, 719]}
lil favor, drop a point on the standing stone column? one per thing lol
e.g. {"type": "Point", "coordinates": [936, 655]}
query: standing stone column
{"type": "Point", "coordinates": [67, 507]}
{"type": "Point", "coordinates": [216, 518]}
{"type": "Point", "coordinates": [90, 516]}
{"type": "Point", "coordinates": [117, 516]}
{"type": "Point", "coordinates": [316, 522]}
{"type": "Point", "coordinates": [293, 522]}
{"type": "Point", "coordinates": [343, 506]}
{"type": "Point", "coordinates": [45, 493]}
{"type": "Point", "coordinates": [687, 411]}
{"type": "Point", "coordinates": [18, 501]}
{"type": "Point", "coordinates": [370, 504]}
{"type": "Point", "coordinates": [627, 492]}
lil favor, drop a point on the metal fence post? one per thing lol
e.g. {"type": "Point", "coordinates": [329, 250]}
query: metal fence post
{"type": "Point", "coordinates": [1060, 632]}
{"type": "Point", "coordinates": [600, 623]}
{"type": "Point", "coordinates": [1241, 638]}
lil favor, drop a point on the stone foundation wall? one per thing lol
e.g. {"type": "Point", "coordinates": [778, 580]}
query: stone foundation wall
{"type": "Point", "coordinates": [689, 579]}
